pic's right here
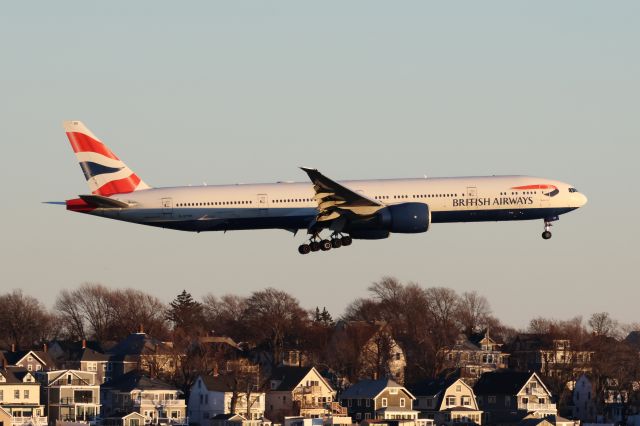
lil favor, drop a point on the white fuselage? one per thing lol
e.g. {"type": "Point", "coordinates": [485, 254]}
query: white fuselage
{"type": "Point", "coordinates": [292, 206]}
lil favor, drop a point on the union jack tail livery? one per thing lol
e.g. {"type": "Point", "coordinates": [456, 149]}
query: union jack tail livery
{"type": "Point", "coordinates": [106, 174]}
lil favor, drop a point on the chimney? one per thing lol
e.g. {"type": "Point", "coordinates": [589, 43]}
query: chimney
{"type": "Point", "coordinates": [44, 347]}
{"type": "Point", "coordinates": [141, 329]}
{"type": "Point", "coordinates": [13, 347]}
{"type": "Point", "coordinates": [84, 343]}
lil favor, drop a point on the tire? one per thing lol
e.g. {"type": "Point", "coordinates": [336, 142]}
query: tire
{"type": "Point", "coordinates": [336, 243]}
{"type": "Point", "coordinates": [346, 240]}
{"type": "Point", "coordinates": [325, 245]}
{"type": "Point", "coordinates": [546, 235]}
{"type": "Point", "coordinates": [315, 246]}
{"type": "Point", "coordinates": [304, 249]}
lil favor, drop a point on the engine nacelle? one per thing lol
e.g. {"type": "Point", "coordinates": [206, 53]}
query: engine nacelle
{"type": "Point", "coordinates": [405, 218]}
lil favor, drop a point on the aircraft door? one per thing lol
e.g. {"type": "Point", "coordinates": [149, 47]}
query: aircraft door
{"type": "Point", "coordinates": [263, 203]}
{"type": "Point", "coordinates": [545, 197]}
{"type": "Point", "coordinates": [167, 206]}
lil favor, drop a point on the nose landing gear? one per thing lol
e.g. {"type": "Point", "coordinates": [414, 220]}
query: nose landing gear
{"type": "Point", "coordinates": [547, 228]}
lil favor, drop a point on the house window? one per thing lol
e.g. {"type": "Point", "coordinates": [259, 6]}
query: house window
{"type": "Point", "coordinates": [349, 402]}
{"type": "Point", "coordinates": [30, 367]}
{"type": "Point", "coordinates": [368, 403]}
{"type": "Point", "coordinates": [458, 388]}
{"type": "Point", "coordinates": [384, 402]}
{"type": "Point", "coordinates": [491, 399]}
{"type": "Point", "coordinates": [367, 416]}
{"type": "Point", "coordinates": [16, 394]}
{"type": "Point", "coordinates": [402, 402]}
{"type": "Point", "coordinates": [1, 395]}
{"type": "Point", "coordinates": [466, 401]}
{"type": "Point", "coordinates": [38, 367]}
{"type": "Point", "coordinates": [451, 400]}
{"type": "Point", "coordinates": [25, 394]}
{"type": "Point", "coordinates": [507, 401]}
{"type": "Point", "coordinates": [393, 391]}
{"type": "Point", "coordinates": [358, 416]}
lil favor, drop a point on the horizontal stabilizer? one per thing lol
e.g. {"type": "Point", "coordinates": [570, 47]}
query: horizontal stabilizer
{"type": "Point", "coordinates": [99, 201]}
{"type": "Point", "coordinates": [58, 203]}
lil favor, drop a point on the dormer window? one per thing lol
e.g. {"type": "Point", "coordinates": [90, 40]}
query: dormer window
{"type": "Point", "coordinates": [393, 391]}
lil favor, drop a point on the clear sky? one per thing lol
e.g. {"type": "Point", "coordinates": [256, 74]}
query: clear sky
{"type": "Point", "coordinates": [229, 92]}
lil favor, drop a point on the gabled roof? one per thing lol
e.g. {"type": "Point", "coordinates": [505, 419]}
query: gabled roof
{"type": "Point", "coordinates": [229, 416]}
{"type": "Point", "coordinates": [221, 383]}
{"type": "Point", "coordinates": [16, 375]}
{"type": "Point", "coordinates": [433, 387]}
{"type": "Point", "coordinates": [54, 376]}
{"type": "Point", "coordinates": [370, 389]}
{"type": "Point", "coordinates": [14, 358]}
{"type": "Point", "coordinates": [290, 377]}
{"type": "Point", "coordinates": [135, 380]}
{"type": "Point", "coordinates": [137, 344]}
{"type": "Point", "coordinates": [504, 382]}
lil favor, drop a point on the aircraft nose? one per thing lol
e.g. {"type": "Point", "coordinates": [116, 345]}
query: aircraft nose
{"type": "Point", "coordinates": [581, 199]}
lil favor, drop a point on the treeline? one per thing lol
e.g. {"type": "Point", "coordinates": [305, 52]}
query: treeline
{"type": "Point", "coordinates": [422, 320]}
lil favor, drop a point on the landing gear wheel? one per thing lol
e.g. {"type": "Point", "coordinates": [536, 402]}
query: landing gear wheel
{"type": "Point", "coordinates": [336, 243]}
{"type": "Point", "coordinates": [346, 240]}
{"type": "Point", "coordinates": [304, 249]}
{"type": "Point", "coordinates": [314, 245]}
{"type": "Point", "coordinates": [546, 235]}
{"type": "Point", "coordinates": [325, 245]}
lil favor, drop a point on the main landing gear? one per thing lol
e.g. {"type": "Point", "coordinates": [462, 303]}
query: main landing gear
{"type": "Point", "coordinates": [315, 243]}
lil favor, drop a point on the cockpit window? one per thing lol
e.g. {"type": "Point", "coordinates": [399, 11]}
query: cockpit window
{"type": "Point", "coordinates": [573, 190]}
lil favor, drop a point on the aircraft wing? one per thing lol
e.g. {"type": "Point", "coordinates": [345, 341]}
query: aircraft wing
{"type": "Point", "coordinates": [336, 201]}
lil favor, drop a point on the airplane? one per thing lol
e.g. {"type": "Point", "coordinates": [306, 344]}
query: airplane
{"type": "Point", "coordinates": [348, 210]}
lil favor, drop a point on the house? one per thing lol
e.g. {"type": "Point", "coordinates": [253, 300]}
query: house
{"type": "Point", "coordinates": [371, 350]}
{"type": "Point", "coordinates": [299, 391]}
{"type": "Point", "coordinates": [583, 400]}
{"type": "Point", "coordinates": [381, 399]}
{"type": "Point", "coordinates": [231, 419]}
{"type": "Point", "coordinates": [71, 395]}
{"type": "Point", "coordinates": [131, 419]}
{"type": "Point", "coordinates": [325, 421]}
{"type": "Point", "coordinates": [157, 401]}
{"type": "Point", "coordinates": [551, 357]}
{"type": "Point", "coordinates": [83, 356]}
{"type": "Point", "coordinates": [142, 352]}
{"type": "Point", "coordinates": [30, 360]}
{"type": "Point", "coordinates": [6, 418]}
{"type": "Point", "coordinates": [20, 397]}
{"type": "Point", "coordinates": [213, 395]}
{"type": "Point", "coordinates": [475, 355]}
{"type": "Point", "coordinates": [448, 401]}
{"type": "Point", "coordinates": [507, 396]}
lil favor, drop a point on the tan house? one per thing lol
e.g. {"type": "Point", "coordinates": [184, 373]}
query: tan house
{"type": "Point", "coordinates": [71, 396]}
{"type": "Point", "coordinates": [299, 391]}
{"type": "Point", "coordinates": [447, 402]}
{"type": "Point", "coordinates": [508, 396]}
{"type": "Point", "coordinates": [381, 399]}
{"type": "Point", "coordinates": [29, 360]}
{"type": "Point", "coordinates": [157, 401]}
{"type": "Point", "coordinates": [475, 355]}
{"type": "Point", "coordinates": [20, 397]}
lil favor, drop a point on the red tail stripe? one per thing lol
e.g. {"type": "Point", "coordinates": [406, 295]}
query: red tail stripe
{"type": "Point", "coordinates": [542, 186]}
{"type": "Point", "coordinates": [79, 205]}
{"type": "Point", "coordinates": [120, 186]}
{"type": "Point", "coordinates": [83, 143]}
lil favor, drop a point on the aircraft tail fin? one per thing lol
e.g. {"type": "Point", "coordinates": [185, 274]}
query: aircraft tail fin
{"type": "Point", "coordinates": [106, 174]}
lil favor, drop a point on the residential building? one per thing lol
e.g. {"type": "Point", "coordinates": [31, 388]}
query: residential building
{"type": "Point", "coordinates": [583, 400]}
{"type": "Point", "coordinates": [71, 396]}
{"type": "Point", "coordinates": [30, 360]}
{"type": "Point", "coordinates": [325, 421]}
{"type": "Point", "coordinates": [375, 352]}
{"type": "Point", "coordinates": [213, 395]}
{"type": "Point", "coordinates": [448, 401]}
{"type": "Point", "coordinates": [20, 397]}
{"type": "Point", "coordinates": [131, 419]}
{"type": "Point", "coordinates": [507, 396]}
{"type": "Point", "coordinates": [144, 353]}
{"type": "Point", "coordinates": [82, 355]}
{"type": "Point", "coordinates": [381, 399]}
{"type": "Point", "coordinates": [475, 355]}
{"type": "Point", "coordinates": [551, 357]}
{"type": "Point", "coordinates": [159, 402]}
{"type": "Point", "coordinates": [231, 419]}
{"type": "Point", "coordinates": [299, 391]}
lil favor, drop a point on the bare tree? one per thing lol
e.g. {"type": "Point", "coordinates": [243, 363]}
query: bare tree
{"type": "Point", "coordinates": [603, 325]}
{"type": "Point", "coordinates": [25, 321]}
{"type": "Point", "coordinates": [472, 312]}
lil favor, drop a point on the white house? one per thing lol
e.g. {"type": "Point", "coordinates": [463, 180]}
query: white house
{"type": "Point", "coordinates": [214, 395]}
